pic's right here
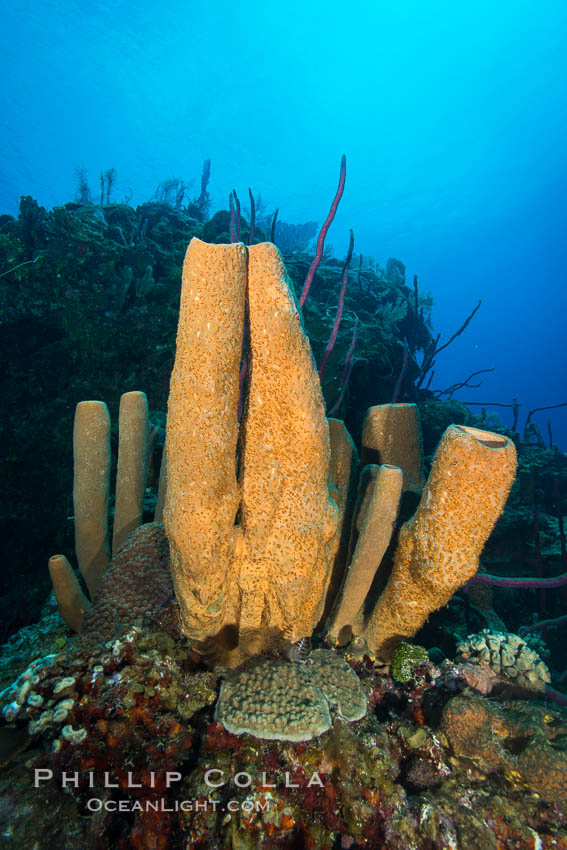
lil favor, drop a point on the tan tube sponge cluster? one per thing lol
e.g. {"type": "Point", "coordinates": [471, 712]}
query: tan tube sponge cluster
{"type": "Point", "coordinates": [250, 557]}
{"type": "Point", "coordinates": [439, 547]}
{"type": "Point", "coordinates": [91, 486]}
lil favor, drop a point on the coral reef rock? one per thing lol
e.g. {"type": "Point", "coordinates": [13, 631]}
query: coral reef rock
{"type": "Point", "coordinates": [523, 741]}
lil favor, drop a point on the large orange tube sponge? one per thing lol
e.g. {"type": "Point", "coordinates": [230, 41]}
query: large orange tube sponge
{"type": "Point", "coordinates": [288, 517]}
{"type": "Point", "coordinates": [202, 429]}
{"type": "Point", "coordinates": [439, 547]}
{"type": "Point", "coordinates": [251, 559]}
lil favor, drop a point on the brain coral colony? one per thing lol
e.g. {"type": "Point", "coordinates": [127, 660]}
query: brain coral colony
{"type": "Point", "coordinates": [240, 665]}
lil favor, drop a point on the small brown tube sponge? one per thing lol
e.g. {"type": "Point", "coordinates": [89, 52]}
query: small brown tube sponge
{"type": "Point", "coordinates": [132, 468]}
{"type": "Point", "coordinates": [377, 525]}
{"type": "Point", "coordinates": [391, 434]}
{"type": "Point", "coordinates": [343, 476]}
{"type": "Point", "coordinates": [91, 484]}
{"type": "Point", "coordinates": [439, 547]}
{"type": "Point", "coordinates": [71, 600]}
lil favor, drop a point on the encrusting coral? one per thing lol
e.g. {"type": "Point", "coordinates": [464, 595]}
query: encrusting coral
{"type": "Point", "coordinates": [520, 739]}
{"type": "Point", "coordinates": [274, 699]}
{"type": "Point", "coordinates": [508, 656]}
{"type": "Point", "coordinates": [136, 584]}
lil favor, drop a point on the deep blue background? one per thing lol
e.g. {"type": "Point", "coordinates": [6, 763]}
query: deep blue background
{"type": "Point", "coordinates": [452, 116]}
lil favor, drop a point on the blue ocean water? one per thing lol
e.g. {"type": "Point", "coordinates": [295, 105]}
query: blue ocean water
{"type": "Point", "coordinates": [452, 116]}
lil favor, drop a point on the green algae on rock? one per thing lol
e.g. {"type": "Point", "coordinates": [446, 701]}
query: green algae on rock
{"type": "Point", "coordinates": [407, 659]}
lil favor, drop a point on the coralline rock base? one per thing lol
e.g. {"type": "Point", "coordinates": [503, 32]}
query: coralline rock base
{"type": "Point", "coordinates": [430, 766]}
